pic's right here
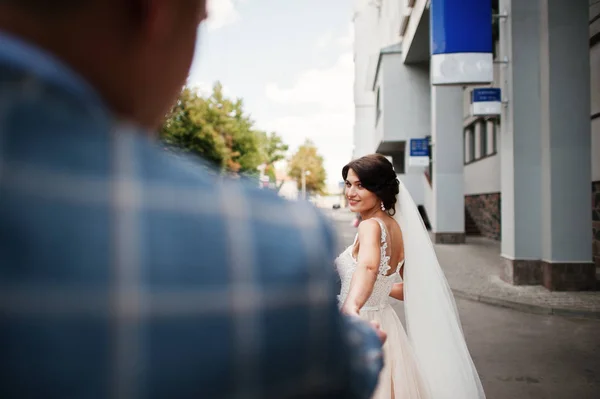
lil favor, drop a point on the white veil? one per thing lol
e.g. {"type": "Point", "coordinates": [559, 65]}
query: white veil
{"type": "Point", "coordinates": [432, 320]}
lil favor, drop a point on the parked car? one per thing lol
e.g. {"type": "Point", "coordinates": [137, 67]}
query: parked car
{"type": "Point", "coordinates": [336, 206]}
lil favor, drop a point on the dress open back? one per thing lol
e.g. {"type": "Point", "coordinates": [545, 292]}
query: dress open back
{"type": "Point", "coordinates": [400, 377]}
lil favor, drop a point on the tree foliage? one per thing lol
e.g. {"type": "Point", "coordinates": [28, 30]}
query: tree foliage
{"type": "Point", "coordinates": [308, 159]}
{"type": "Point", "coordinates": [217, 128]}
{"type": "Point", "coordinates": [273, 150]}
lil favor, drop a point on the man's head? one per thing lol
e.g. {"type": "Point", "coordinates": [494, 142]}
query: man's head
{"type": "Point", "coordinates": [136, 53]}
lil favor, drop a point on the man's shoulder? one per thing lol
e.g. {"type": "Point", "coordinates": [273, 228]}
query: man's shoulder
{"type": "Point", "coordinates": [191, 186]}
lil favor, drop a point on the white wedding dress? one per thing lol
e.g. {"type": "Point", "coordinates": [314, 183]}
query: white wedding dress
{"type": "Point", "coordinates": [400, 377]}
{"type": "Point", "coordinates": [430, 359]}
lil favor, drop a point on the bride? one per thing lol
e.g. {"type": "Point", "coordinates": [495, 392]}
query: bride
{"type": "Point", "coordinates": [430, 359]}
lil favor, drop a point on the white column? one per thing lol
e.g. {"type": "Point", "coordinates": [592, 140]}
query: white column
{"type": "Point", "coordinates": [448, 221]}
{"type": "Point", "coordinates": [520, 149]}
{"type": "Point", "coordinates": [566, 140]}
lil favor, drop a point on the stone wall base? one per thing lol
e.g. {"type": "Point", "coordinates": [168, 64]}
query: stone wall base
{"type": "Point", "coordinates": [522, 272]}
{"type": "Point", "coordinates": [569, 276]}
{"type": "Point", "coordinates": [554, 276]}
{"type": "Point", "coordinates": [449, 238]}
{"type": "Point", "coordinates": [596, 222]}
{"type": "Point", "coordinates": [484, 210]}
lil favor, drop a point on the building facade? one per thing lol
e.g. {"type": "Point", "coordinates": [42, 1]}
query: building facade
{"type": "Point", "coordinates": [527, 177]}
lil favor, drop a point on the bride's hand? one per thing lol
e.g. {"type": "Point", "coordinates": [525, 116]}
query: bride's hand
{"type": "Point", "coordinates": [350, 310]}
{"type": "Point", "coordinates": [380, 333]}
{"type": "Point", "coordinates": [354, 312]}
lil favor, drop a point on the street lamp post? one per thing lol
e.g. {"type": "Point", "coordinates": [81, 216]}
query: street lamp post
{"type": "Point", "coordinates": [304, 174]}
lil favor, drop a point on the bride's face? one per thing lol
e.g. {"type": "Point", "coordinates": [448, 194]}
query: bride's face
{"type": "Point", "coordinates": [359, 198]}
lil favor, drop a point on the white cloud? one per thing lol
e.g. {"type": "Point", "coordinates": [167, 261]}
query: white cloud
{"type": "Point", "coordinates": [331, 133]}
{"type": "Point", "coordinates": [325, 40]}
{"type": "Point", "coordinates": [329, 93]}
{"type": "Point", "coordinates": [347, 40]}
{"type": "Point", "coordinates": [330, 87]}
{"type": "Point", "coordinates": [344, 41]}
{"type": "Point", "coordinates": [205, 88]}
{"type": "Point", "coordinates": [221, 13]}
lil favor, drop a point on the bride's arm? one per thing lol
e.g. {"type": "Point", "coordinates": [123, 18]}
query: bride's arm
{"type": "Point", "coordinates": [365, 275]}
{"type": "Point", "coordinates": [397, 291]}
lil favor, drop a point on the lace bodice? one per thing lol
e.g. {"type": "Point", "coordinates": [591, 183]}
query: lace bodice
{"type": "Point", "coordinates": [346, 264]}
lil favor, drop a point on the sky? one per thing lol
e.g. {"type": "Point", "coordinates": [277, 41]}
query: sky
{"type": "Point", "coordinates": [291, 61]}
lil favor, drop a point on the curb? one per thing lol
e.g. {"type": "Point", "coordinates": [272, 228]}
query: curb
{"type": "Point", "coordinates": [526, 307]}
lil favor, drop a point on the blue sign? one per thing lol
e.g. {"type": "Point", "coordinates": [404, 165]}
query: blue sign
{"type": "Point", "coordinates": [488, 94]}
{"type": "Point", "coordinates": [419, 147]}
{"type": "Point", "coordinates": [461, 26]}
{"type": "Point", "coordinates": [461, 41]}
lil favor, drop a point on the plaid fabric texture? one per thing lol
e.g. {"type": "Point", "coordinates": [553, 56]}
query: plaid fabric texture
{"type": "Point", "coordinates": [128, 273]}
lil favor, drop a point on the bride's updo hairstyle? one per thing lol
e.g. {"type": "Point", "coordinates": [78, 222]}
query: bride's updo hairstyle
{"type": "Point", "coordinates": [376, 174]}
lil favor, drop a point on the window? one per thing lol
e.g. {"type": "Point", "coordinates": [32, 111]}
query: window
{"type": "Point", "coordinates": [481, 139]}
{"type": "Point", "coordinates": [471, 138]}
{"type": "Point", "coordinates": [430, 169]}
{"type": "Point", "coordinates": [466, 145]}
{"type": "Point", "coordinates": [495, 131]}
{"type": "Point", "coordinates": [483, 131]}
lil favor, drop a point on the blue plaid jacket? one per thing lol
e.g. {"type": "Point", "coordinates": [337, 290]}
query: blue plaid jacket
{"type": "Point", "coordinates": [128, 273]}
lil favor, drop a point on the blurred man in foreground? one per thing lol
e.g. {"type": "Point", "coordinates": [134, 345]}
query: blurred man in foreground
{"type": "Point", "coordinates": [125, 273]}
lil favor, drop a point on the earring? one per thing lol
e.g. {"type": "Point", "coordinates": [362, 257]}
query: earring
{"type": "Point", "coordinates": [382, 206]}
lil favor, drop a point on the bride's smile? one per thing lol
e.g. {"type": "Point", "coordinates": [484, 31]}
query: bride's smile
{"type": "Point", "coordinates": [360, 200]}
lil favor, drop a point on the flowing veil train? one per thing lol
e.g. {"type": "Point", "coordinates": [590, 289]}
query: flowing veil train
{"type": "Point", "coordinates": [432, 320]}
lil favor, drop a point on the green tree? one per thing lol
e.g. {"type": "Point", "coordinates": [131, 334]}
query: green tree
{"type": "Point", "coordinates": [188, 127]}
{"type": "Point", "coordinates": [217, 129]}
{"type": "Point", "coordinates": [273, 150]}
{"type": "Point", "coordinates": [307, 159]}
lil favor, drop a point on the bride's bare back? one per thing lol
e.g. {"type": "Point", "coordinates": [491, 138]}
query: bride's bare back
{"type": "Point", "coordinates": [394, 241]}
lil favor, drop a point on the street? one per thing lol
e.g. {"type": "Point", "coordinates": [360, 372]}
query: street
{"type": "Point", "coordinates": [520, 355]}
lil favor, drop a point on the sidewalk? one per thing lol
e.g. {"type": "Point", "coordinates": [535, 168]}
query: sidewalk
{"type": "Point", "coordinates": [473, 272]}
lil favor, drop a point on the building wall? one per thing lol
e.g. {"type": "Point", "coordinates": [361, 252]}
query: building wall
{"type": "Point", "coordinates": [376, 25]}
{"type": "Point", "coordinates": [595, 115]}
{"type": "Point", "coordinates": [364, 133]}
{"type": "Point", "coordinates": [366, 34]}
{"type": "Point", "coordinates": [406, 112]}
{"type": "Point", "coordinates": [414, 185]}
{"type": "Point", "coordinates": [596, 222]}
{"type": "Point", "coordinates": [379, 121]}
{"type": "Point", "coordinates": [406, 99]}
{"type": "Point", "coordinates": [428, 200]}
{"type": "Point", "coordinates": [415, 19]}
{"type": "Point", "coordinates": [484, 209]}
{"type": "Point", "coordinates": [389, 22]}
{"type": "Point", "coordinates": [483, 176]}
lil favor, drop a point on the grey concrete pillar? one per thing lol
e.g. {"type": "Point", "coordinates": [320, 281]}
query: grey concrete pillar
{"type": "Point", "coordinates": [448, 218]}
{"type": "Point", "coordinates": [519, 141]}
{"type": "Point", "coordinates": [545, 141]}
{"type": "Point", "coordinates": [566, 237]}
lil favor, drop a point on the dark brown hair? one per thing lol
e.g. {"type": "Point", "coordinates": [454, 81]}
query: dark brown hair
{"type": "Point", "coordinates": [377, 175]}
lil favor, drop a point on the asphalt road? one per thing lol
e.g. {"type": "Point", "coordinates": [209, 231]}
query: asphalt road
{"type": "Point", "coordinates": [521, 355]}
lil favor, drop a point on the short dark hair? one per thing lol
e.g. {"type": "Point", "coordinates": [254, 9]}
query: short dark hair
{"type": "Point", "coordinates": [376, 174]}
{"type": "Point", "coordinates": [46, 6]}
